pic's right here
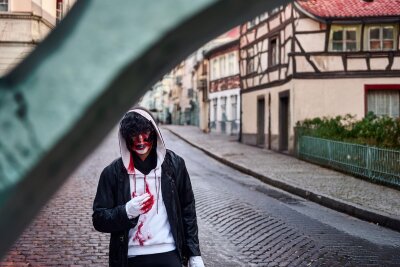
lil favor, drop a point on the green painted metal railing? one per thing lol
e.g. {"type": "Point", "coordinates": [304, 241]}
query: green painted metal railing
{"type": "Point", "coordinates": [377, 164]}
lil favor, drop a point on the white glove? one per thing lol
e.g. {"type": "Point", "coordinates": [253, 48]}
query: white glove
{"type": "Point", "coordinates": [134, 206]}
{"type": "Point", "coordinates": [196, 261]}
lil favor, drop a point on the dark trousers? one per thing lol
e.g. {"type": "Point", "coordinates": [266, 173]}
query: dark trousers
{"type": "Point", "coordinates": [166, 259]}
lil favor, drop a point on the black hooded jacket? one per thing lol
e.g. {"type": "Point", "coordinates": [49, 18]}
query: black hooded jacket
{"type": "Point", "coordinates": [113, 192]}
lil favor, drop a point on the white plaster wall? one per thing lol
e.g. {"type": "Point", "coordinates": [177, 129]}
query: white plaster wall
{"type": "Point", "coordinates": [49, 10]}
{"type": "Point", "coordinates": [264, 61]}
{"type": "Point", "coordinates": [290, 68]}
{"type": "Point", "coordinates": [20, 5]}
{"type": "Point", "coordinates": [288, 11]}
{"type": "Point", "coordinates": [250, 36]}
{"type": "Point", "coordinates": [288, 30]}
{"type": "Point", "coordinates": [274, 22]}
{"type": "Point", "coordinates": [262, 29]}
{"type": "Point", "coordinates": [264, 79]}
{"type": "Point", "coordinates": [356, 64]}
{"type": "Point", "coordinates": [306, 24]}
{"type": "Point", "coordinates": [249, 82]}
{"type": "Point", "coordinates": [312, 42]}
{"type": "Point", "coordinates": [273, 76]}
{"type": "Point", "coordinates": [249, 108]}
{"type": "Point", "coordinates": [302, 65]}
{"type": "Point", "coordinates": [328, 63]}
{"type": "Point", "coordinates": [396, 63]}
{"type": "Point", "coordinates": [332, 97]}
{"type": "Point", "coordinates": [249, 115]}
{"type": "Point", "coordinates": [379, 63]}
{"type": "Point", "coordinates": [288, 48]}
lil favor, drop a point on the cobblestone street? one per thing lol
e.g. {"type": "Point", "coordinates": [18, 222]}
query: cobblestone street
{"type": "Point", "coordinates": [242, 222]}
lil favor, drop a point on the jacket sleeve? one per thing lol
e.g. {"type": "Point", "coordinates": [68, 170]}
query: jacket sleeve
{"type": "Point", "coordinates": [188, 209]}
{"type": "Point", "coordinates": [107, 216]}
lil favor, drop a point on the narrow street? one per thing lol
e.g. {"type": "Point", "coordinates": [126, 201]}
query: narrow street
{"type": "Point", "coordinates": [242, 221]}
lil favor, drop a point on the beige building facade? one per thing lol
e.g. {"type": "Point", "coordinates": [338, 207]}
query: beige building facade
{"type": "Point", "coordinates": [23, 24]}
{"type": "Point", "coordinates": [301, 61]}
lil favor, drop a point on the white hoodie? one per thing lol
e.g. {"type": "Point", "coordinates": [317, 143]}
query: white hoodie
{"type": "Point", "coordinates": [152, 234]}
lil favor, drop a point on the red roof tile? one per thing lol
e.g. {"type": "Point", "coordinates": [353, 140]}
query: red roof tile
{"type": "Point", "coordinates": [351, 8]}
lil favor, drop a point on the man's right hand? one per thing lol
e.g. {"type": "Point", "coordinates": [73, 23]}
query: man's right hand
{"type": "Point", "coordinates": [134, 207]}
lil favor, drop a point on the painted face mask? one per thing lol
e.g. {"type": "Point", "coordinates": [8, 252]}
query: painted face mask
{"type": "Point", "coordinates": [142, 143]}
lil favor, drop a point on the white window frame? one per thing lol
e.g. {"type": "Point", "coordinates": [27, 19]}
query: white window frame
{"type": "Point", "coordinates": [59, 11]}
{"type": "Point", "coordinates": [274, 56]}
{"type": "Point", "coordinates": [222, 66]}
{"type": "Point", "coordinates": [231, 64]}
{"type": "Point", "coordinates": [234, 107]}
{"type": "Point", "coordinates": [344, 29]}
{"type": "Point", "coordinates": [214, 69]}
{"type": "Point", "coordinates": [368, 29]}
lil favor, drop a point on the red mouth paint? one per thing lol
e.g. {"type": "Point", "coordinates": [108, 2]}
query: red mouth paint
{"type": "Point", "coordinates": [142, 142]}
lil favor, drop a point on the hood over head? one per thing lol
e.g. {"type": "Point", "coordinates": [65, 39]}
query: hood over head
{"type": "Point", "coordinates": [126, 154]}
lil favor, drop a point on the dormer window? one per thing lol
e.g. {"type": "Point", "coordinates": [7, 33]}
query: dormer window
{"type": "Point", "coordinates": [344, 38]}
{"type": "Point", "coordinates": [380, 37]}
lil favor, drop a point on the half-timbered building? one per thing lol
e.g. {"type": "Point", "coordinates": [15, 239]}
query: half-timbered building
{"type": "Point", "coordinates": [316, 58]}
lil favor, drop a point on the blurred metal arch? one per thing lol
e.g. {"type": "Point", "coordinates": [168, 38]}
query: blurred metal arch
{"type": "Point", "coordinates": [64, 97]}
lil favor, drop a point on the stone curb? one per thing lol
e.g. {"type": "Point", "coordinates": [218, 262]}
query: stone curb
{"type": "Point", "coordinates": [351, 209]}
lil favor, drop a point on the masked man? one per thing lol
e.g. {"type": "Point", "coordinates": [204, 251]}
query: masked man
{"type": "Point", "coordinates": [145, 200]}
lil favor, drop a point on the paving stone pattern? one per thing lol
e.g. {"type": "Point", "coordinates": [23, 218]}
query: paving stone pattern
{"type": "Point", "coordinates": [232, 232]}
{"type": "Point", "coordinates": [263, 239]}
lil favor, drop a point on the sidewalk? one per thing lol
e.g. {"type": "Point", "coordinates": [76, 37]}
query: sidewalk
{"type": "Point", "coordinates": [345, 193]}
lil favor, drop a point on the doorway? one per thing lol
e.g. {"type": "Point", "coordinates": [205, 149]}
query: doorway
{"type": "Point", "coordinates": [284, 118]}
{"type": "Point", "coordinates": [261, 121]}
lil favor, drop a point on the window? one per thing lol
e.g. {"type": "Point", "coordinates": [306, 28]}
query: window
{"type": "Point", "coordinates": [381, 37]}
{"type": "Point", "coordinates": [222, 67]}
{"type": "Point", "coordinates": [231, 64]}
{"type": "Point", "coordinates": [213, 73]}
{"type": "Point", "coordinates": [344, 38]}
{"type": "Point", "coordinates": [273, 52]}
{"type": "Point", "coordinates": [223, 108]}
{"type": "Point", "coordinates": [59, 11]}
{"type": "Point", "coordinates": [215, 103]}
{"type": "Point", "coordinates": [252, 23]}
{"type": "Point", "coordinates": [234, 107]}
{"type": "Point", "coordinates": [250, 62]}
{"type": "Point", "coordinates": [384, 102]}
{"type": "Point", "coordinates": [3, 5]}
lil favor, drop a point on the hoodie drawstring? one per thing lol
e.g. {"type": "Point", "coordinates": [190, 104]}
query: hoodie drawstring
{"type": "Point", "coordinates": [157, 187]}
{"type": "Point", "coordinates": [157, 184]}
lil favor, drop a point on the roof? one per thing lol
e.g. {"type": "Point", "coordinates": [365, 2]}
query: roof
{"type": "Point", "coordinates": [350, 8]}
{"type": "Point", "coordinates": [223, 41]}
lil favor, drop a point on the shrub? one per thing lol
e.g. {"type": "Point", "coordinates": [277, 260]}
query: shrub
{"type": "Point", "coordinates": [371, 130]}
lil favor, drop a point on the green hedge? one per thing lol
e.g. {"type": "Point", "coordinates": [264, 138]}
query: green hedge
{"type": "Point", "coordinates": [372, 130]}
